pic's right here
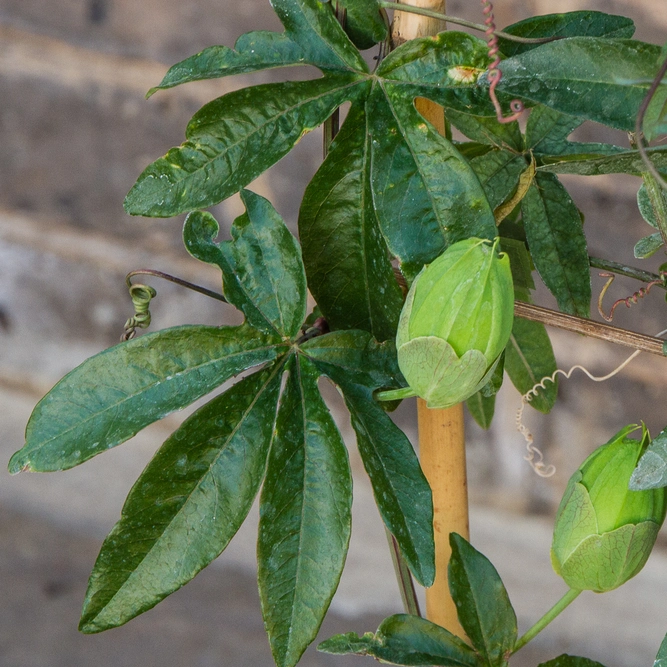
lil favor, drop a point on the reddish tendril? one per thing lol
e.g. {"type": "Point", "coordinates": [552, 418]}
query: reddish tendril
{"type": "Point", "coordinates": [629, 300]}
{"type": "Point", "coordinates": [493, 73]}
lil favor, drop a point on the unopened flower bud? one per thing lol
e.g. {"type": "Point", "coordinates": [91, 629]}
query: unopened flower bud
{"type": "Point", "coordinates": [455, 323]}
{"type": "Point", "coordinates": [605, 532]}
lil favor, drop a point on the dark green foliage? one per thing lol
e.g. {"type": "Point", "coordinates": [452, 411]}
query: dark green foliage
{"type": "Point", "coordinates": [392, 190]}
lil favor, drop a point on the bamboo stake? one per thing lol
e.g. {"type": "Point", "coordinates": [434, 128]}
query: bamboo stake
{"type": "Point", "coordinates": [441, 432]}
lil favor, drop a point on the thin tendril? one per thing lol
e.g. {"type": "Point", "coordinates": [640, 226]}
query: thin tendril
{"type": "Point", "coordinates": [535, 456]}
{"type": "Point", "coordinates": [629, 300]}
{"type": "Point", "coordinates": [493, 74]}
{"type": "Point", "coordinates": [142, 295]}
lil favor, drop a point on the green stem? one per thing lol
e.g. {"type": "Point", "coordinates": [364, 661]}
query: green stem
{"type": "Point", "coordinates": [624, 270]}
{"type": "Point", "coordinates": [657, 197]}
{"type": "Point", "coordinates": [404, 578]}
{"type": "Point", "coordinates": [569, 597]}
{"type": "Point", "coordinates": [395, 394]}
{"type": "Point", "coordinates": [467, 24]}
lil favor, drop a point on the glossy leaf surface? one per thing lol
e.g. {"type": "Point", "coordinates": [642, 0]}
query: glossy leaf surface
{"type": "Point", "coordinates": [312, 37]}
{"type": "Point", "coordinates": [593, 78]}
{"type": "Point", "coordinates": [529, 358]}
{"type": "Point", "coordinates": [187, 504]}
{"type": "Point", "coordinates": [358, 365]}
{"type": "Point", "coordinates": [498, 172]}
{"type": "Point", "coordinates": [482, 603]}
{"type": "Point", "coordinates": [555, 235]}
{"type": "Point", "coordinates": [354, 357]}
{"type": "Point", "coordinates": [443, 68]}
{"type": "Point", "coordinates": [595, 164]}
{"type": "Point", "coordinates": [401, 490]}
{"type": "Point", "coordinates": [426, 194]}
{"type": "Point", "coordinates": [651, 471]}
{"type": "Point", "coordinates": [313, 25]}
{"type": "Point", "coordinates": [113, 395]}
{"type": "Point", "coordinates": [363, 22]}
{"type": "Point", "coordinates": [407, 640]}
{"type": "Point", "coordinates": [304, 526]}
{"type": "Point", "coordinates": [487, 130]}
{"type": "Point", "coordinates": [263, 274]}
{"type": "Point", "coordinates": [346, 256]}
{"type": "Point", "coordinates": [233, 139]}
{"type": "Point", "coordinates": [570, 24]}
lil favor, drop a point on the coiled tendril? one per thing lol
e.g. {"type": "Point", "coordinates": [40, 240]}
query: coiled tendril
{"type": "Point", "coordinates": [493, 73]}
{"type": "Point", "coordinates": [628, 300]}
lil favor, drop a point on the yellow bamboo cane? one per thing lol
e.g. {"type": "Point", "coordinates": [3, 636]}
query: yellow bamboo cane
{"type": "Point", "coordinates": [441, 432]}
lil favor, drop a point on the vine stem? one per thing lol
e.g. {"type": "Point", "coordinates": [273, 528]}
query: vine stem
{"type": "Point", "coordinates": [421, 11]}
{"type": "Point", "coordinates": [564, 602]}
{"type": "Point", "coordinates": [590, 328]}
{"type": "Point", "coordinates": [624, 270]}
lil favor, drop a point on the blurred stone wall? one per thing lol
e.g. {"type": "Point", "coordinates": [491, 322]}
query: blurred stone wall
{"type": "Point", "coordinates": [76, 131]}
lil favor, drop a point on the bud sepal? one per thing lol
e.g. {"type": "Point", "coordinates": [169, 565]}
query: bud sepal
{"type": "Point", "coordinates": [604, 532]}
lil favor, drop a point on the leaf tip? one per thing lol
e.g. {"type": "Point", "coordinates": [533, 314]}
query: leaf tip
{"type": "Point", "coordinates": [19, 463]}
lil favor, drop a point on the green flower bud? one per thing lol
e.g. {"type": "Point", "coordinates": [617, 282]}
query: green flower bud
{"type": "Point", "coordinates": [604, 532]}
{"type": "Point", "coordinates": [455, 323]}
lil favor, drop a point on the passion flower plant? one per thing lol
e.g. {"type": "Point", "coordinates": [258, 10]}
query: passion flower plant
{"type": "Point", "coordinates": [604, 532]}
{"type": "Point", "coordinates": [455, 323]}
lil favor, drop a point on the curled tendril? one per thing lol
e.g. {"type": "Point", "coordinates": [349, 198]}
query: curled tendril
{"type": "Point", "coordinates": [141, 296]}
{"type": "Point", "coordinates": [629, 300]}
{"type": "Point", "coordinates": [494, 74]}
{"type": "Point", "coordinates": [535, 456]}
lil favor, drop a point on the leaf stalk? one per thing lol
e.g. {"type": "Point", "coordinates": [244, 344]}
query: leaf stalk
{"type": "Point", "coordinates": [564, 602]}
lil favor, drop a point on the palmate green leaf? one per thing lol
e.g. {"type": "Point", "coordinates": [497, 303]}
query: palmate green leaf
{"type": "Point", "coordinates": [304, 527]}
{"type": "Point", "coordinates": [443, 68]}
{"type": "Point", "coordinates": [487, 130]}
{"type": "Point", "coordinates": [407, 640]}
{"type": "Point", "coordinates": [113, 395]}
{"type": "Point", "coordinates": [498, 172]}
{"type": "Point", "coordinates": [570, 24]}
{"type": "Point", "coordinates": [313, 25]}
{"type": "Point", "coordinates": [364, 23]}
{"type": "Point", "coordinates": [547, 130]}
{"type": "Point", "coordinates": [596, 164]}
{"type": "Point", "coordinates": [346, 258]}
{"type": "Point", "coordinates": [263, 274]}
{"type": "Point", "coordinates": [482, 603]}
{"type": "Point", "coordinates": [354, 357]}
{"type": "Point", "coordinates": [661, 658]}
{"type": "Point", "coordinates": [426, 194]}
{"type": "Point", "coordinates": [358, 365]}
{"type": "Point", "coordinates": [592, 78]}
{"type": "Point", "coordinates": [235, 138]}
{"type": "Point", "coordinates": [529, 358]}
{"type": "Point", "coordinates": [555, 235]}
{"type": "Point", "coordinates": [651, 471]}
{"type": "Point", "coordinates": [187, 505]}
{"type": "Point", "coordinates": [571, 661]}
{"type": "Point", "coordinates": [312, 36]}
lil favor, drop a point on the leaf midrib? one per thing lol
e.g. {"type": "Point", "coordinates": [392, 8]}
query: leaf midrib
{"type": "Point", "coordinates": [206, 474]}
{"type": "Point", "coordinates": [135, 395]}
